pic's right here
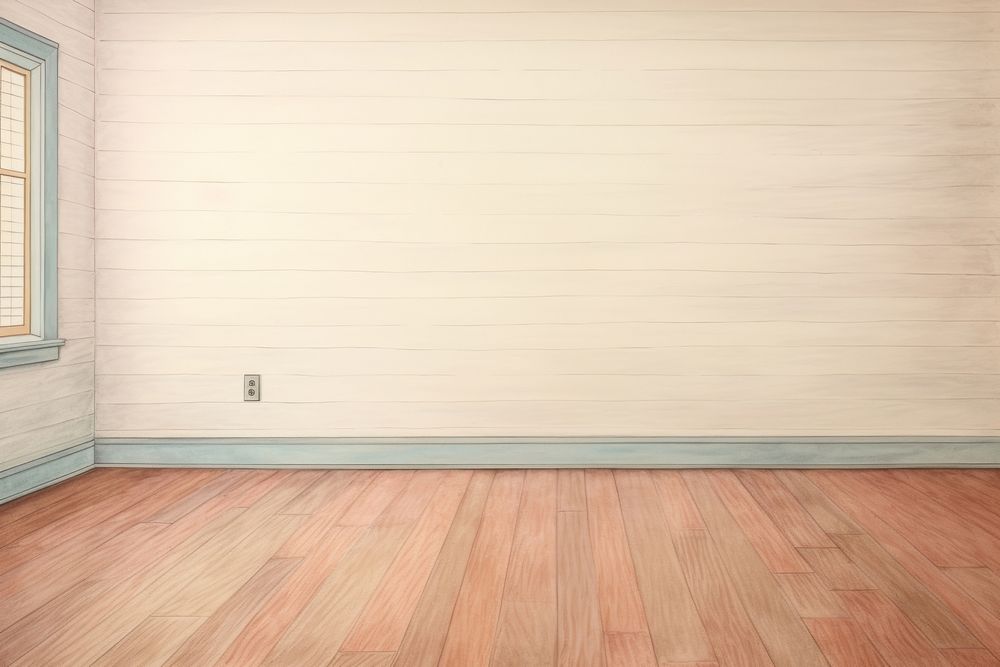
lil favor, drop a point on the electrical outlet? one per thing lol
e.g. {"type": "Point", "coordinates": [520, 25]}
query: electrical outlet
{"type": "Point", "coordinates": [251, 387]}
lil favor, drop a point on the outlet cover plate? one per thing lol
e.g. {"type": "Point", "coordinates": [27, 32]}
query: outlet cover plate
{"type": "Point", "coordinates": [251, 387]}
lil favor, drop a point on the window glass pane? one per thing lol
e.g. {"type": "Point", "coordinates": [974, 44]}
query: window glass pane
{"type": "Point", "coordinates": [12, 247]}
{"type": "Point", "coordinates": [12, 118]}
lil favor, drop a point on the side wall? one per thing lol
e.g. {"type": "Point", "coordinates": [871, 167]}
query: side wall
{"type": "Point", "coordinates": [512, 218]}
{"type": "Point", "coordinates": [48, 407]}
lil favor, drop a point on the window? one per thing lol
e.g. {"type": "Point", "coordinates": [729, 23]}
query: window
{"type": "Point", "coordinates": [28, 201]}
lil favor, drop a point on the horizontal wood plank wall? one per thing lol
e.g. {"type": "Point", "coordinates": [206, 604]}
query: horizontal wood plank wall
{"type": "Point", "coordinates": [49, 407]}
{"type": "Point", "coordinates": [544, 218]}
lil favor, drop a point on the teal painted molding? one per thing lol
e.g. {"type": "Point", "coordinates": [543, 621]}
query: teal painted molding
{"type": "Point", "coordinates": [40, 56]}
{"type": "Point", "coordinates": [31, 352]}
{"type": "Point", "coordinates": [48, 470]}
{"type": "Point", "coordinates": [549, 452]}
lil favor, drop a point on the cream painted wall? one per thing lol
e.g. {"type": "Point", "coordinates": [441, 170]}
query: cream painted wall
{"type": "Point", "coordinates": [502, 217]}
{"type": "Point", "coordinates": [48, 407]}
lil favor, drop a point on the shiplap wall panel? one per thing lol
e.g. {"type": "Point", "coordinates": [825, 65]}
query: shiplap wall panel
{"type": "Point", "coordinates": [319, 7]}
{"type": "Point", "coordinates": [649, 217]}
{"type": "Point", "coordinates": [50, 406]}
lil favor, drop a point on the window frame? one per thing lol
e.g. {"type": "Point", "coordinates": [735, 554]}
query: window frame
{"type": "Point", "coordinates": [40, 58]}
{"type": "Point", "coordinates": [7, 331]}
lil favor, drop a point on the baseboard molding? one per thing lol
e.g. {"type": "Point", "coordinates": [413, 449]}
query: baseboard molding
{"type": "Point", "coordinates": [34, 475]}
{"type": "Point", "coordinates": [827, 452]}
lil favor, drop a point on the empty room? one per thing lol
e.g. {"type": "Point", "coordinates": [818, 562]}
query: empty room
{"type": "Point", "coordinates": [589, 333]}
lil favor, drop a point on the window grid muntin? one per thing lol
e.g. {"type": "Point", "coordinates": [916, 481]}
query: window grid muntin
{"type": "Point", "coordinates": [15, 197]}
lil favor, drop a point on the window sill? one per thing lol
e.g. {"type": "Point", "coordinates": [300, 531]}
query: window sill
{"type": "Point", "coordinates": [29, 352]}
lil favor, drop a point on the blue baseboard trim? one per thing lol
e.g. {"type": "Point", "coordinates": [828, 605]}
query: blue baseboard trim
{"type": "Point", "coordinates": [845, 452]}
{"type": "Point", "coordinates": [23, 479]}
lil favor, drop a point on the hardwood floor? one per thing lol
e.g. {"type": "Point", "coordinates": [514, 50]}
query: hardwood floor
{"type": "Point", "coordinates": [542, 567]}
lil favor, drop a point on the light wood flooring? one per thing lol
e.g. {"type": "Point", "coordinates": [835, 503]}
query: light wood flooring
{"type": "Point", "coordinates": [542, 567]}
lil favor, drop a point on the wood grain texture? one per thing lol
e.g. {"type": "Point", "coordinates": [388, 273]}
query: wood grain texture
{"type": "Point", "coordinates": [580, 630]}
{"type": "Point", "coordinates": [810, 596]}
{"type": "Point", "coordinates": [382, 624]}
{"type": "Point", "coordinates": [678, 506]}
{"type": "Point", "coordinates": [527, 629]}
{"type": "Point", "coordinates": [363, 659]}
{"type": "Point", "coordinates": [900, 642]}
{"type": "Point", "coordinates": [981, 583]}
{"type": "Point", "coordinates": [152, 642]}
{"type": "Point", "coordinates": [472, 633]}
{"type": "Point", "coordinates": [969, 657]}
{"type": "Point", "coordinates": [963, 607]}
{"type": "Point", "coordinates": [798, 228]}
{"type": "Point", "coordinates": [785, 510]}
{"type": "Point", "coordinates": [484, 568]}
{"type": "Point", "coordinates": [844, 643]}
{"type": "Point", "coordinates": [733, 635]}
{"type": "Point", "coordinates": [780, 628]}
{"type": "Point", "coordinates": [209, 642]}
{"type": "Point", "coordinates": [425, 636]}
{"type": "Point", "coordinates": [836, 569]}
{"type": "Point", "coordinates": [260, 634]}
{"type": "Point", "coordinates": [618, 594]}
{"type": "Point", "coordinates": [776, 551]}
{"type": "Point", "coordinates": [919, 604]}
{"type": "Point", "coordinates": [674, 626]}
{"type": "Point", "coordinates": [318, 631]}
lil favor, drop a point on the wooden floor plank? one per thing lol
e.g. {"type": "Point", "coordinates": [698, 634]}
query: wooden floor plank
{"type": "Point", "coordinates": [369, 659]}
{"type": "Point", "coordinates": [836, 569]}
{"type": "Point", "coordinates": [787, 640]}
{"type": "Point", "coordinates": [223, 577]}
{"type": "Point", "coordinates": [92, 490]}
{"type": "Point", "coordinates": [580, 634]}
{"type": "Point", "coordinates": [938, 533]}
{"type": "Point", "coordinates": [50, 496]}
{"type": "Point", "coordinates": [965, 496]}
{"type": "Point", "coordinates": [30, 586]}
{"type": "Point", "coordinates": [777, 552]}
{"type": "Point", "coordinates": [473, 627]}
{"type": "Point", "coordinates": [151, 643]}
{"type": "Point", "coordinates": [899, 642]}
{"type": "Point", "coordinates": [984, 625]}
{"type": "Point", "coordinates": [328, 486]}
{"type": "Point", "coordinates": [258, 638]}
{"type": "Point", "coordinates": [734, 638]}
{"type": "Point", "coordinates": [425, 636]}
{"type": "Point", "coordinates": [824, 512]}
{"type": "Point", "coordinates": [676, 630]}
{"type": "Point", "coordinates": [628, 649]}
{"type": "Point", "coordinates": [617, 589]}
{"type": "Point", "coordinates": [526, 630]}
{"type": "Point", "coordinates": [569, 567]}
{"type": "Point", "coordinates": [784, 508]}
{"type": "Point", "coordinates": [386, 486]}
{"type": "Point", "coordinates": [810, 596]}
{"type": "Point", "coordinates": [844, 643]}
{"type": "Point", "coordinates": [912, 597]}
{"type": "Point", "coordinates": [383, 622]}
{"type": "Point", "coordinates": [169, 545]}
{"type": "Point", "coordinates": [678, 505]}
{"type": "Point", "coordinates": [207, 645]}
{"type": "Point", "coordinates": [325, 517]}
{"type": "Point", "coordinates": [196, 495]}
{"type": "Point", "coordinates": [969, 657]}
{"type": "Point", "coordinates": [572, 491]}
{"type": "Point", "coordinates": [130, 601]}
{"type": "Point", "coordinates": [982, 584]}
{"type": "Point", "coordinates": [315, 636]}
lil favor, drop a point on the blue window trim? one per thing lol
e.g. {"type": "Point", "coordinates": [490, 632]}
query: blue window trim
{"type": "Point", "coordinates": [42, 55]}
